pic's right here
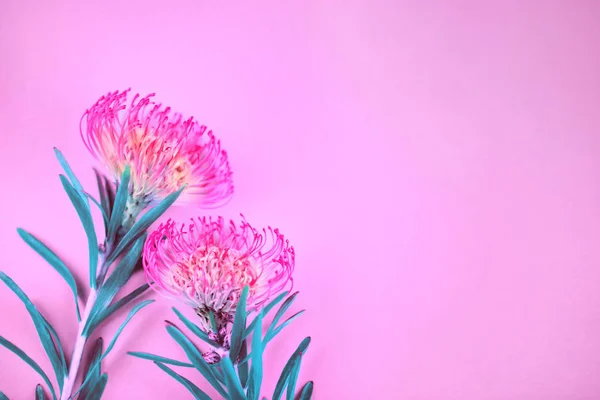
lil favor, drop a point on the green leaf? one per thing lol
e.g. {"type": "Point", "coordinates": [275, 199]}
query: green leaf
{"type": "Point", "coordinates": [195, 329]}
{"type": "Point", "coordinates": [65, 165]}
{"type": "Point", "coordinates": [243, 368]}
{"type": "Point", "coordinates": [293, 379]}
{"type": "Point", "coordinates": [57, 346]}
{"type": "Point", "coordinates": [143, 223]}
{"type": "Point", "coordinates": [239, 325]}
{"type": "Point", "coordinates": [131, 314]}
{"type": "Point", "coordinates": [194, 390]}
{"type": "Point", "coordinates": [306, 393]}
{"type": "Point", "coordinates": [3, 396]}
{"type": "Point", "coordinates": [104, 216]}
{"type": "Point", "coordinates": [107, 197]}
{"type": "Point", "coordinates": [256, 371]}
{"type": "Point", "coordinates": [104, 200]}
{"type": "Point", "coordinates": [41, 326]}
{"type": "Point", "coordinates": [245, 359]}
{"type": "Point", "coordinates": [97, 389]}
{"type": "Point", "coordinates": [284, 307]}
{"type": "Point", "coordinates": [110, 188]}
{"type": "Point", "coordinates": [196, 358]}
{"type": "Point", "coordinates": [54, 261]}
{"type": "Point", "coordinates": [85, 216]}
{"type": "Point", "coordinates": [10, 346]}
{"type": "Point", "coordinates": [163, 360]}
{"type": "Point", "coordinates": [39, 393]}
{"type": "Point", "coordinates": [95, 374]}
{"type": "Point", "coordinates": [119, 207]}
{"type": "Point", "coordinates": [265, 311]}
{"type": "Point", "coordinates": [217, 372]}
{"type": "Point", "coordinates": [287, 370]}
{"type": "Point", "coordinates": [113, 284]}
{"type": "Point", "coordinates": [231, 380]}
{"type": "Point", "coordinates": [271, 334]}
{"type": "Point", "coordinates": [107, 312]}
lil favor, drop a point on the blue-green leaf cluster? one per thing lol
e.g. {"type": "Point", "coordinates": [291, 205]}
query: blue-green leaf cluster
{"type": "Point", "coordinates": [48, 337]}
{"type": "Point", "coordinates": [120, 244]}
{"type": "Point", "coordinates": [231, 377]}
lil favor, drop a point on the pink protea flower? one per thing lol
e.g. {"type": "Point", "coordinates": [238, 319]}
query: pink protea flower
{"type": "Point", "coordinates": [163, 150]}
{"type": "Point", "coordinates": [207, 263]}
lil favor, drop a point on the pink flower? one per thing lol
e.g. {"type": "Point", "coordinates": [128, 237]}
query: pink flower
{"type": "Point", "coordinates": [163, 150]}
{"type": "Point", "coordinates": [208, 262]}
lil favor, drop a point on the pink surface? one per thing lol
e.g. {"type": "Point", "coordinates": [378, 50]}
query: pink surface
{"type": "Point", "coordinates": [436, 167]}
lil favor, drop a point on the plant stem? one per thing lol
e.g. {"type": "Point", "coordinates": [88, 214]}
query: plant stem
{"type": "Point", "coordinates": [79, 347]}
{"type": "Point", "coordinates": [81, 339]}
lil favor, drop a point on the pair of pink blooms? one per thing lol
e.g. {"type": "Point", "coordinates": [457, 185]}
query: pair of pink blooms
{"type": "Point", "coordinates": [207, 262]}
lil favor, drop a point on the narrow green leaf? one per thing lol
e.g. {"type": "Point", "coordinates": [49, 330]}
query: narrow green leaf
{"type": "Point", "coordinates": [54, 261]}
{"type": "Point", "coordinates": [65, 165]}
{"type": "Point", "coordinates": [231, 380]}
{"type": "Point", "coordinates": [57, 346]}
{"type": "Point", "coordinates": [271, 334]}
{"type": "Point", "coordinates": [114, 283]}
{"type": "Point", "coordinates": [10, 346]}
{"type": "Point", "coordinates": [84, 390]}
{"type": "Point", "coordinates": [144, 223]}
{"type": "Point", "coordinates": [196, 358]}
{"type": "Point", "coordinates": [195, 329]}
{"type": "Point", "coordinates": [217, 373]}
{"type": "Point", "coordinates": [287, 370]}
{"type": "Point", "coordinates": [107, 312]}
{"type": "Point", "coordinates": [97, 389]}
{"type": "Point", "coordinates": [39, 393]}
{"type": "Point", "coordinates": [163, 360]}
{"type": "Point", "coordinates": [265, 311]}
{"type": "Point", "coordinates": [245, 359]}
{"type": "Point", "coordinates": [131, 314]}
{"type": "Point", "coordinates": [85, 216]}
{"type": "Point", "coordinates": [194, 390]}
{"type": "Point", "coordinates": [41, 327]}
{"type": "Point", "coordinates": [243, 368]}
{"type": "Point", "coordinates": [105, 200]}
{"type": "Point", "coordinates": [293, 379]}
{"type": "Point", "coordinates": [95, 374]}
{"type": "Point", "coordinates": [239, 325]}
{"type": "Point", "coordinates": [307, 390]}
{"type": "Point", "coordinates": [119, 207]}
{"type": "Point", "coordinates": [256, 371]}
{"type": "Point", "coordinates": [284, 307]}
{"type": "Point", "coordinates": [102, 193]}
{"type": "Point", "coordinates": [104, 216]}
{"type": "Point", "coordinates": [111, 192]}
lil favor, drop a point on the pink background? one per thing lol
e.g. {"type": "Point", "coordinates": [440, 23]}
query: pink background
{"type": "Point", "coordinates": [435, 165]}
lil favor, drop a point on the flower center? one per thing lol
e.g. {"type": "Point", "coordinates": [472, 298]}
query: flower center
{"type": "Point", "coordinates": [158, 167]}
{"type": "Point", "coordinates": [214, 277]}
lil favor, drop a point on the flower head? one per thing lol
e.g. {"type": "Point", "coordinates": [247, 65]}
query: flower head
{"type": "Point", "coordinates": [207, 263]}
{"type": "Point", "coordinates": [163, 150]}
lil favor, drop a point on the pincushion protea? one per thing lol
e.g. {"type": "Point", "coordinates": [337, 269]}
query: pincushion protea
{"type": "Point", "coordinates": [207, 263]}
{"type": "Point", "coordinates": [164, 151]}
